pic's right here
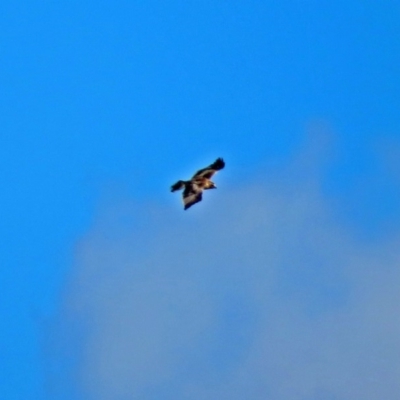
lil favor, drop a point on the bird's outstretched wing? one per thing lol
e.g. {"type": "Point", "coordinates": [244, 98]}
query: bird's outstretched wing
{"type": "Point", "coordinates": [209, 171]}
{"type": "Point", "coordinates": [192, 194]}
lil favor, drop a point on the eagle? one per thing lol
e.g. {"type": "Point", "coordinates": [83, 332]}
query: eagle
{"type": "Point", "coordinates": [193, 189]}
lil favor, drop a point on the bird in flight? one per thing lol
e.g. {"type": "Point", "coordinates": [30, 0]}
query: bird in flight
{"type": "Point", "coordinates": [193, 189]}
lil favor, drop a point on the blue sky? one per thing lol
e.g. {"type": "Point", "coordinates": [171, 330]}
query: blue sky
{"type": "Point", "coordinates": [105, 104]}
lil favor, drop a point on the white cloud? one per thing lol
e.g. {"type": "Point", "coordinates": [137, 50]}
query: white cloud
{"type": "Point", "coordinates": [255, 293]}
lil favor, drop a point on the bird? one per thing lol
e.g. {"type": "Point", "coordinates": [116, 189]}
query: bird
{"type": "Point", "coordinates": [201, 180]}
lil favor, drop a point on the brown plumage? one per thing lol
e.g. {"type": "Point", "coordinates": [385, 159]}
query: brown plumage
{"type": "Point", "coordinates": [193, 189]}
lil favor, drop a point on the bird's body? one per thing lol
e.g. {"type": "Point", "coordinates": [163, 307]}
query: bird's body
{"type": "Point", "coordinates": [201, 180]}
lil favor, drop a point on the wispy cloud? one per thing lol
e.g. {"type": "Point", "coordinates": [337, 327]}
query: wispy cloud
{"type": "Point", "coordinates": [258, 292]}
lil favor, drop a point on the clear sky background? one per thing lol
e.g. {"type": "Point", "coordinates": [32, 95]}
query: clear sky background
{"type": "Point", "coordinates": [283, 283]}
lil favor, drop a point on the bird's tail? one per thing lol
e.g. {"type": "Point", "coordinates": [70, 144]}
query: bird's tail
{"type": "Point", "coordinates": [177, 186]}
